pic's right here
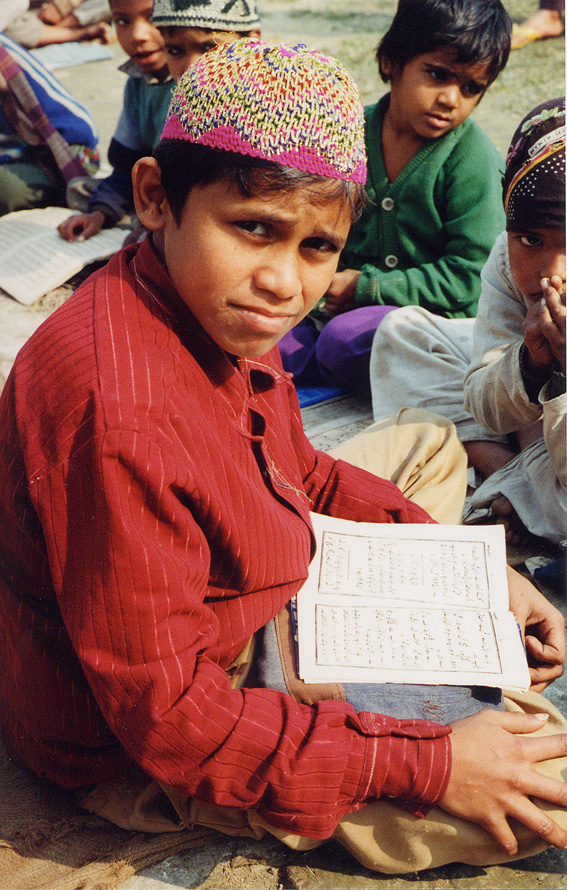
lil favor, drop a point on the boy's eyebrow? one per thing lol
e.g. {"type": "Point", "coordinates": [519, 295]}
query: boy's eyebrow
{"type": "Point", "coordinates": [290, 219]}
{"type": "Point", "coordinates": [435, 66]}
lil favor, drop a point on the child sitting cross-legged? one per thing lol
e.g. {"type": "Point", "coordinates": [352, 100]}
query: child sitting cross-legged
{"type": "Point", "coordinates": [433, 183]}
{"type": "Point", "coordinates": [157, 491]}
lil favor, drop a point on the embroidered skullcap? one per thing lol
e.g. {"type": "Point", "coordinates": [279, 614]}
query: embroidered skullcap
{"type": "Point", "coordinates": [534, 181]}
{"type": "Point", "coordinates": [291, 105]}
{"type": "Point", "coordinates": [218, 15]}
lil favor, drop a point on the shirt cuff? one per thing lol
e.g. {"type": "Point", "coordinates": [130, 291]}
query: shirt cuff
{"type": "Point", "coordinates": [403, 759]}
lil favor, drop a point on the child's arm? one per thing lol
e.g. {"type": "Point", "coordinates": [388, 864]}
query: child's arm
{"type": "Point", "coordinates": [494, 392]}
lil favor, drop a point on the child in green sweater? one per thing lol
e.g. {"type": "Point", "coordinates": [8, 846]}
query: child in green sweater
{"type": "Point", "coordinates": [434, 182]}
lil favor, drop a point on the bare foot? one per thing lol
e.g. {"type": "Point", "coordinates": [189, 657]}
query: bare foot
{"type": "Point", "coordinates": [545, 23]}
{"type": "Point", "coordinates": [515, 530]}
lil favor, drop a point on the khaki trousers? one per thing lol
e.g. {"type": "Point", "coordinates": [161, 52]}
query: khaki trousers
{"type": "Point", "coordinates": [420, 452]}
{"type": "Point", "coordinates": [381, 836]}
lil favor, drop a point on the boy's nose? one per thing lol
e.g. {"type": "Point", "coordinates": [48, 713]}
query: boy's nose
{"type": "Point", "coordinates": [280, 277]}
{"type": "Point", "coordinates": [450, 95]}
{"type": "Point", "coordinates": [141, 31]}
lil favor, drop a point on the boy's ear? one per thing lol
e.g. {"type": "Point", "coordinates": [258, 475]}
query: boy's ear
{"type": "Point", "coordinates": [149, 194]}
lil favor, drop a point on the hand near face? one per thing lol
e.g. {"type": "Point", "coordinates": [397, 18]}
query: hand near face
{"type": "Point", "coordinates": [544, 325]}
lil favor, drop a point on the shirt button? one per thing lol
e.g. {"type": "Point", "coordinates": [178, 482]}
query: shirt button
{"type": "Point", "coordinates": [387, 204]}
{"type": "Point", "coordinates": [391, 261]}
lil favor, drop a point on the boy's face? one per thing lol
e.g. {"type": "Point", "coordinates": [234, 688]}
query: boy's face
{"type": "Point", "coordinates": [136, 34]}
{"type": "Point", "coordinates": [536, 254]}
{"type": "Point", "coordinates": [184, 46]}
{"type": "Point", "coordinates": [433, 93]}
{"type": "Point", "coordinates": [251, 268]}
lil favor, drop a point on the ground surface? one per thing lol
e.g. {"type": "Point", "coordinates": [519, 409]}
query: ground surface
{"type": "Point", "coordinates": [350, 31]}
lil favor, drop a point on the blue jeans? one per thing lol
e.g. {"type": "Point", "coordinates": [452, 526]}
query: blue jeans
{"type": "Point", "coordinates": [441, 704]}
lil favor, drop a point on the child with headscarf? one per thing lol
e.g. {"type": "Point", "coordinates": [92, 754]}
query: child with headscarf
{"type": "Point", "coordinates": [511, 418]}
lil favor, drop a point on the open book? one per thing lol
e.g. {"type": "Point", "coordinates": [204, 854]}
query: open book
{"type": "Point", "coordinates": [34, 258]}
{"type": "Point", "coordinates": [408, 604]}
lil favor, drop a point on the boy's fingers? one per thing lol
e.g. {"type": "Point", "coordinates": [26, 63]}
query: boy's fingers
{"type": "Point", "coordinates": [545, 747]}
{"type": "Point", "coordinates": [546, 652]}
{"type": "Point", "coordinates": [538, 821]}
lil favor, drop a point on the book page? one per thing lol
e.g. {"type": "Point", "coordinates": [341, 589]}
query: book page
{"type": "Point", "coordinates": [408, 604]}
{"type": "Point", "coordinates": [34, 258]}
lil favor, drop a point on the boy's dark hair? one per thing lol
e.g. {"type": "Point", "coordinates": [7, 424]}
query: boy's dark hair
{"type": "Point", "coordinates": [185, 164]}
{"type": "Point", "coordinates": [477, 30]}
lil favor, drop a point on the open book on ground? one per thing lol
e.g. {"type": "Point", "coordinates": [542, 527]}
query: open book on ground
{"type": "Point", "coordinates": [408, 604]}
{"type": "Point", "coordinates": [34, 258]}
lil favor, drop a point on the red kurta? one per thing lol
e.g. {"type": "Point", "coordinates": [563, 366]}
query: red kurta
{"type": "Point", "coordinates": [154, 514]}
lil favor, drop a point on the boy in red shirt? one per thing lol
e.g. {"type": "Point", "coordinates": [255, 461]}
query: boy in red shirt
{"type": "Point", "coordinates": [157, 489]}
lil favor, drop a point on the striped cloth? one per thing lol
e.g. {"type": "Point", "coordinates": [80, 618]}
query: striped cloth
{"type": "Point", "coordinates": [41, 112]}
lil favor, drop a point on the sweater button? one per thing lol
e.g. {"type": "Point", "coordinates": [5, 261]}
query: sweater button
{"type": "Point", "coordinates": [388, 204]}
{"type": "Point", "coordinates": [391, 261]}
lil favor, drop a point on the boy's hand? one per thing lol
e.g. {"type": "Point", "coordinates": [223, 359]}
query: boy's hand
{"type": "Point", "coordinates": [544, 326]}
{"type": "Point", "coordinates": [543, 628]}
{"type": "Point", "coordinates": [341, 295]}
{"type": "Point", "coordinates": [493, 777]}
{"type": "Point", "coordinates": [81, 226]}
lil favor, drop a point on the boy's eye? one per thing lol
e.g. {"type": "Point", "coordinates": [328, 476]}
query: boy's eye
{"type": "Point", "coordinates": [207, 47]}
{"type": "Point", "coordinates": [440, 75]}
{"type": "Point", "coordinates": [174, 51]}
{"type": "Point", "coordinates": [529, 240]}
{"type": "Point", "coordinates": [321, 245]}
{"type": "Point", "coordinates": [253, 226]}
{"type": "Point", "coordinates": [121, 21]}
{"type": "Point", "coordinates": [473, 88]}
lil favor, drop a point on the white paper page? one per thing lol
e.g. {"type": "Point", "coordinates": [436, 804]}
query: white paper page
{"type": "Point", "coordinates": [438, 614]}
{"type": "Point", "coordinates": [34, 258]}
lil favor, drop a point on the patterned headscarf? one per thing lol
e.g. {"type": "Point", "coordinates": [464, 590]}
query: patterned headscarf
{"type": "Point", "coordinates": [286, 104]}
{"type": "Point", "coordinates": [534, 182]}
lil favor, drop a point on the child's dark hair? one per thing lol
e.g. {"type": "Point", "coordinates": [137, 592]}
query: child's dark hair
{"type": "Point", "coordinates": [185, 164]}
{"type": "Point", "coordinates": [477, 30]}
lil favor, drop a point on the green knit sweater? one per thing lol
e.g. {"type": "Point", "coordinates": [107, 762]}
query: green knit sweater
{"type": "Point", "coordinates": [426, 236]}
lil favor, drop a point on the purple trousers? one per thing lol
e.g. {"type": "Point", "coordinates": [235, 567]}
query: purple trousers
{"type": "Point", "coordinates": [339, 355]}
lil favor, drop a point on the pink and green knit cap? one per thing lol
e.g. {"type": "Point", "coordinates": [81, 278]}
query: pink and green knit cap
{"type": "Point", "coordinates": [291, 105]}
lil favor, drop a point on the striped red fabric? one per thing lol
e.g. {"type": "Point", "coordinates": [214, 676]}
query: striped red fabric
{"type": "Point", "coordinates": [154, 514]}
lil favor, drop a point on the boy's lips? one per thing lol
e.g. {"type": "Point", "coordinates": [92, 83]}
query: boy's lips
{"type": "Point", "coordinates": [148, 57]}
{"type": "Point", "coordinates": [262, 321]}
{"type": "Point", "coordinates": [438, 120]}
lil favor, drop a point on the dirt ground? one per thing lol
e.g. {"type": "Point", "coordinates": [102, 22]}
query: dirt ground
{"type": "Point", "coordinates": [350, 31]}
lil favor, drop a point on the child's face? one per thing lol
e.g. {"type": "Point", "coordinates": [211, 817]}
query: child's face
{"type": "Point", "coordinates": [137, 35]}
{"type": "Point", "coordinates": [433, 93]}
{"type": "Point", "coordinates": [184, 46]}
{"type": "Point", "coordinates": [251, 268]}
{"type": "Point", "coordinates": [536, 254]}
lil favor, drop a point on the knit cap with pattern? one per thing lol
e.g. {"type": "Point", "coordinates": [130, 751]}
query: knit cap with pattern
{"type": "Point", "coordinates": [291, 105]}
{"type": "Point", "coordinates": [216, 15]}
